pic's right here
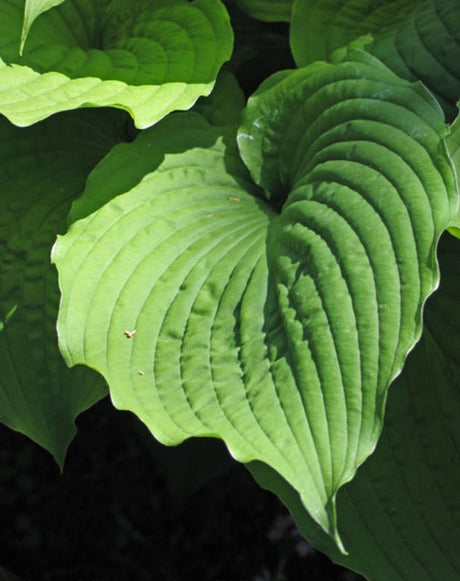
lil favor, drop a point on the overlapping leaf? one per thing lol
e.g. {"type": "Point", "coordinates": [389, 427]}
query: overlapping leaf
{"type": "Point", "coordinates": [149, 58]}
{"type": "Point", "coordinates": [209, 314]}
{"type": "Point", "coordinates": [400, 516]}
{"type": "Point", "coordinates": [418, 40]}
{"type": "Point", "coordinates": [32, 10]}
{"type": "Point", "coordinates": [225, 103]}
{"type": "Point", "coordinates": [41, 170]}
{"type": "Point", "coordinates": [320, 28]}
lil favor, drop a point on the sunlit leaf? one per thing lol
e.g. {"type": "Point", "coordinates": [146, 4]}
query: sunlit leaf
{"type": "Point", "coordinates": [276, 326]}
{"type": "Point", "coordinates": [149, 58]}
{"type": "Point", "coordinates": [400, 516]}
{"type": "Point", "coordinates": [453, 144]}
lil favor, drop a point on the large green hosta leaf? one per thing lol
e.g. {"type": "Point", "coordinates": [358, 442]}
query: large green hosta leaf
{"type": "Point", "coordinates": [400, 517]}
{"type": "Point", "coordinates": [417, 39]}
{"type": "Point", "coordinates": [41, 170]}
{"type": "Point", "coordinates": [209, 314]}
{"type": "Point", "coordinates": [148, 58]}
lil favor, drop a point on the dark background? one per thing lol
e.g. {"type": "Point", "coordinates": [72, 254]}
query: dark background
{"type": "Point", "coordinates": [127, 508]}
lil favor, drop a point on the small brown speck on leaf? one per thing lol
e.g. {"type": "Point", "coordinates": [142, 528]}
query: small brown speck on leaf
{"type": "Point", "coordinates": [129, 334]}
{"type": "Point", "coordinates": [233, 199]}
{"type": "Point", "coordinates": [120, 32]}
{"type": "Point", "coordinates": [140, 372]}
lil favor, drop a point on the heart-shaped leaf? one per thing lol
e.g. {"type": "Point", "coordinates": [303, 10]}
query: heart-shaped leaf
{"type": "Point", "coordinates": [149, 58]}
{"type": "Point", "coordinates": [400, 516]}
{"type": "Point", "coordinates": [42, 169]}
{"type": "Point", "coordinates": [210, 314]}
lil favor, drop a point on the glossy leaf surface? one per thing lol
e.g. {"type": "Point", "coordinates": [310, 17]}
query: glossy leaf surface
{"type": "Point", "coordinates": [148, 59]}
{"type": "Point", "coordinates": [400, 517]}
{"type": "Point", "coordinates": [278, 326]}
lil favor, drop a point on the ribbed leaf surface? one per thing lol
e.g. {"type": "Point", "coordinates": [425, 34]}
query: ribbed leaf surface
{"type": "Point", "coordinates": [418, 40]}
{"type": "Point", "coordinates": [41, 170]}
{"type": "Point", "coordinates": [400, 517]}
{"type": "Point", "coordinates": [210, 314]}
{"type": "Point", "coordinates": [321, 27]}
{"type": "Point", "coordinates": [149, 58]}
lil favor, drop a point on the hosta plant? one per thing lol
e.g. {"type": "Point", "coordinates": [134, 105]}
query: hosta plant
{"type": "Point", "coordinates": [259, 271]}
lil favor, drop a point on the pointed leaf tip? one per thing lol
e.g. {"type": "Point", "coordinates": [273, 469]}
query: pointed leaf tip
{"type": "Point", "coordinates": [278, 328]}
{"type": "Point", "coordinates": [32, 10]}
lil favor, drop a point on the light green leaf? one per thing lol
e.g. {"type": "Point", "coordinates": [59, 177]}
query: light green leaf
{"type": "Point", "coordinates": [400, 517]}
{"type": "Point", "coordinates": [453, 144]}
{"type": "Point", "coordinates": [127, 163]}
{"type": "Point", "coordinates": [42, 169]}
{"type": "Point", "coordinates": [149, 61]}
{"type": "Point", "coordinates": [210, 314]}
{"type": "Point", "coordinates": [268, 10]}
{"type": "Point", "coordinates": [417, 39]}
{"type": "Point", "coordinates": [32, 10]}
{"type": "Point", "coordinates": [222, 107]}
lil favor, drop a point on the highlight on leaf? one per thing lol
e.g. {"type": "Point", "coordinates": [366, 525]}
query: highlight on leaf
{"type": "Point", "coordinates": [274, 325]}
{"type": "Point", "coordinates": [398, 516]}
{"type": "Point", "coordinates": [453, 145]}
{"type": "Point", "coordinates": [159, 57]}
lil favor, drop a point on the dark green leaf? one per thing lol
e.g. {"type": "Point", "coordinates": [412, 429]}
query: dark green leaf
{"type": "Point", "coordinates": [41, 170]}
{"type": "Point", "coordinates": [269, 10]}
{"type": "Point", "coordinates": [417, 39]}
